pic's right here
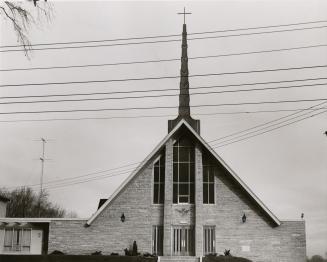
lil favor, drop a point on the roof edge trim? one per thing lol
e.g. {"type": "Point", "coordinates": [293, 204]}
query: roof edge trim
{"type": "Point", "coordinates": [129, 178]}
{"type": "Point", "coordinates": [163, 141]}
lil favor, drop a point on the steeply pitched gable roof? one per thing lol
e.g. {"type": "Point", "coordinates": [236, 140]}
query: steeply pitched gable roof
{"type": "Point", "coordinates": [204, 143]}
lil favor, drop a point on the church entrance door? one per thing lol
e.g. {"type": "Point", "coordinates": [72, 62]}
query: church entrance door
{"type": "Point", "coordinates": [183, 240]}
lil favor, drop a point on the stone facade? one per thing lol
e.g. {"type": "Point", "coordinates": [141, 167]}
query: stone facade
{"type": "Point", "coordinates": [258, 238]}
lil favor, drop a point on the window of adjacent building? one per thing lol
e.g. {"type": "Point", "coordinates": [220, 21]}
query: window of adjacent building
{"type": "Point", "coordinates": [157, 240]}
{"type": "Point", "coordinates": [17, 240]}
{"type": "Point", "coordinates": [183, 171]}
{"type": "Point", "coordinates": [208, 183]}
{"type": "Point", "coordinates": [209, 239]}
{"type": "Point", "coordinates": [159, 181]}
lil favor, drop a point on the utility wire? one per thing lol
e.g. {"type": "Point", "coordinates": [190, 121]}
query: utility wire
{"type": "Point", "coordinates": [170, 35]}
{"type": "Point", "coordinates": [159, 107]}
{"type": "Point", "coordinates": [162, 60]}
{"type": "Point", "coordinates": [164, 41]}
{"type": "Point", "coordinates": [77, 179]}
{"type": "Point", "coordinates": [152, 116]}
{"type": "Point", "coordinates": [125, 172]}
{"type": "Point", "coordinates": [264, 124]}
{"type": "Point", "coordinates": [80, 176]}
{"type": "Point", "coordinates": [88, 180]}
{"type": "Point", "coordinates": [164, 77]}
{"type": "Point", "coordinates": [159, 96]}
{"type": "Point", "coordinates": [271, 124]}
{"type": "Point", "coordinates": [246, 138]}
{"type": "Point", "coordinates": [164, 90]}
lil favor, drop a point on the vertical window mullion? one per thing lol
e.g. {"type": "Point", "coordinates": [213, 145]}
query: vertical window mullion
{"type": "Point", "coordinates": [12, 239]}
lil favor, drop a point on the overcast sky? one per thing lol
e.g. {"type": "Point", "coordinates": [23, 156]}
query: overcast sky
{"type": "Point", "coordinates": [286, 168]}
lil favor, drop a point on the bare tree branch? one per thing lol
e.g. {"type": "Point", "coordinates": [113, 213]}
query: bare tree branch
{"type": "Point", "coordinates": [21, 19]}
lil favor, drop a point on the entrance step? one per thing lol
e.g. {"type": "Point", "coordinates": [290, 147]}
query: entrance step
{"type": "Point", "coordinates": [179, 259]}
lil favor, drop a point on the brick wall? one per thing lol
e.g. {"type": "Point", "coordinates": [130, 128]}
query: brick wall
{"type": "Point", "coordinates": [257, 239]}
{"type": "Point", "coordinates": [107, 233]}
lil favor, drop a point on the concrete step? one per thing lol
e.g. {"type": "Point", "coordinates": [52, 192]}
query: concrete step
{"type": "Point", "coordinates": [179, 259]}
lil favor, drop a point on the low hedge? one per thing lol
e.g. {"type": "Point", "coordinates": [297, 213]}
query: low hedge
{"type": "Point", "coordinates": [74, 258]}
{"type": "Point", "coordinates": [225, 259]}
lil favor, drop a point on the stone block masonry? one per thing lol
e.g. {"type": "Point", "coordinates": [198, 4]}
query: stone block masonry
{"type": "Point", "coordinates": [256, 239]}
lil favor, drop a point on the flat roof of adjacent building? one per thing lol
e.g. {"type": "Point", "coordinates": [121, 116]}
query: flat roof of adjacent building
{"type": "Point", "coordinates": [37, 219]}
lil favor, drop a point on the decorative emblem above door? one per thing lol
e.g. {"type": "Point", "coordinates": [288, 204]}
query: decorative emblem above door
{"type": "Point", "coordinates": [183, 211]}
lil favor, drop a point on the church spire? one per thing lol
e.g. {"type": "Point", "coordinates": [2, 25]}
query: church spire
{"type": "Point", "coordinates": [184, 95]}
{"type": "Point", "coordinates": [184, 111]}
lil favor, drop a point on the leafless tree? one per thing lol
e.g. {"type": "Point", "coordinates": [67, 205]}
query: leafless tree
{"type": "Point", "coordinates": [24, 202]}
{"type": "Point", "coordinates": [23, 15]}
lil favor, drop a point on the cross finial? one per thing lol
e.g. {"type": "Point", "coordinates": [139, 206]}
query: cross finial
{"type": "Point", "coordinates": [184, 13]}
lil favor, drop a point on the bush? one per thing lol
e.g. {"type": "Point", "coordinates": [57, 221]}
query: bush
{"type": "Point", "coordinates": [225, 259]}
{"type": "Point", "coordinates": [97, 253]}
{"type": "Point", "coordinates": [74, 258]}
{"type": "Point", "coordinates": [57, 252]}
{"type": "Point", "coordinates": [132, 251]}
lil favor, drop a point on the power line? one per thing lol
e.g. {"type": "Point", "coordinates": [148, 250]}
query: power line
{"type": "Point", "coordinates": [164, 77]}
{"type": "Point", "coordinates": [163, 41]}
{"type": "Point", "coordinates": [271, 124]}
{"type": "Point", "coordinates": [159, 107]}
{"type": "Point", "coordinates": [158, 96]}
{"type": "Point", "coordinates": [246, 138]}
{"type": "Point", "coordinates": [125, 172]}
{"type": "Point", "coordinates": [88, 180]}
{"type": "Point", "coordinates": [152, 116]}
{"type": "Point", "coordinates": [80, 176]}
{"type": "Point", "coordinates": [266, 123]}
{"type": "Point", "coordinates": [70, 183]}
{"type": "Point", "coordinates": [170, 35]}
{"type": "Point", "coordinates": [163, 60]}
{"type": "Point", "coordinates": [164, 90]}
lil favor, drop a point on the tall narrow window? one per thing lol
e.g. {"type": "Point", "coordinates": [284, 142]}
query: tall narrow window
{"type": "Point", "coordinates": [208, 183]}
{"type": "Point", "coordinates": [157, 240]}
{"type": "Point", "coordinates": [183, 171]}
{"type": "Point", "coordinates": [209, 239]}
{"type": "Point", "coordinates": [159, 181]}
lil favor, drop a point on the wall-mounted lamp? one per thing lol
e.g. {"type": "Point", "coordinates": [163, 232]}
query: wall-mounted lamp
{"type": "Point", "coordinates": [244, 218]}
{"type": "Point", "coordinates": [122, 218]}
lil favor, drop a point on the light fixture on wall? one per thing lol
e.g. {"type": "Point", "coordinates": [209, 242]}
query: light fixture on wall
{"type": "Point", "coordinates": [122, 218]}
{"type": "Point", "coordinates": [244, 218]}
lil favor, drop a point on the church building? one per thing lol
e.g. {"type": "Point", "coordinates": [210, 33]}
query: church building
{"type": "Point", "coordinates": [182, 203]}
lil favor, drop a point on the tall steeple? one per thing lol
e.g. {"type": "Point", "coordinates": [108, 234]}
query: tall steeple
{"type": "Point", "coordinates": [184, 111]}
{"type": "Point", "coordinates": [184, 96]}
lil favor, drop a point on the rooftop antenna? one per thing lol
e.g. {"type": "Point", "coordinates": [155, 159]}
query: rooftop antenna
{"type": "Point", "coordinates": [42, 159]}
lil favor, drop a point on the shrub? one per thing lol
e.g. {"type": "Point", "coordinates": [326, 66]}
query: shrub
{"type": "Point", "coordinates": [225, 259]}
{"type": "Point", "coordinates": [134, 251]}
{"type": "Point", "coordinates": [227, 252]}
{"type": "Point", "coordinates": [57, 252]}
{"type": "Point", "coordinates": [97, 253]}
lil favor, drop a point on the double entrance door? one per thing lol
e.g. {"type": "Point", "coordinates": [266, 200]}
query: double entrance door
{"type": "Point", "coordinates": [183, 240]}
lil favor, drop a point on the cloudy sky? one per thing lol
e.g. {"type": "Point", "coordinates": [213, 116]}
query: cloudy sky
{"type": "Point", "coordinates": [285, 167]}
